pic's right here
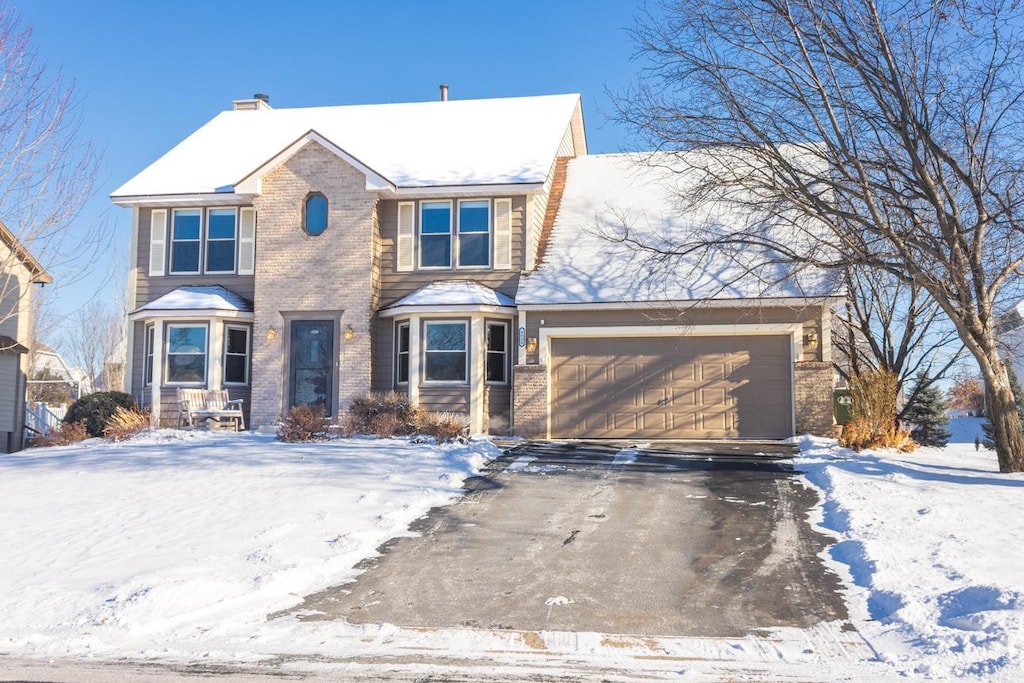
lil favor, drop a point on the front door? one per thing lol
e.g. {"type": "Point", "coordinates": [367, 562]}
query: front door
{"type": "Point", "coordinates": [311, 363]}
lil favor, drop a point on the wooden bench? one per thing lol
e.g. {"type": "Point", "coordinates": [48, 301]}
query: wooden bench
{"type": "Point", "coordinates": [214, 406]}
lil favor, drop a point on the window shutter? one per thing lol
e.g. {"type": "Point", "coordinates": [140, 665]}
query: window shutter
{"type": "Point", "coordinates": [247, 241]}
{"type": "Point", "coordinates": [502, 234]}
{"type": "Point", "coordinates": [406, 236]}
{"type": "Point", "coordinates": [157, 241]}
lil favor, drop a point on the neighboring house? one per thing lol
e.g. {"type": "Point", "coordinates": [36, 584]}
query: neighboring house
{"type": "Point", "coordinates": [1010, 333]}
{"type": "Point", "coordinates": [18, 272]}
{"type": "Point", "coordinates": [446, 250]}
{"type": "Point", "coordinates": [48, 362]}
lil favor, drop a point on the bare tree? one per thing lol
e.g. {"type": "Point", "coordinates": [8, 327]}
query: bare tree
{"type": "Point", "coordinates": [96, 344]}
{"type": "Point", "coordinates": [887, 324]}
{"type": "Point", "coordinates": [885, 136]}
{"type": "Point", "coordinates": [46, 171]}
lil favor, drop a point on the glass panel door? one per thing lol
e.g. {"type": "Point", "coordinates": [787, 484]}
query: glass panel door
{"type": "Point", "coordinates": [311, 364]}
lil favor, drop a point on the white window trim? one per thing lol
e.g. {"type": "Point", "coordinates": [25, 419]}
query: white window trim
{"type": "Point", "coordinates": [451, 235]}
{"type": "Point", "coordinates": [205, 233]}
{"type": "Point", "coordinates": [167, 353]}
{"type": "Point", "coordinates": [457, 242]}
{"type": "Point", "coordinates": [248, 354]}
{"type": "Point", "coordinates": [148, 352]}
{"type": "Point", "coordinates": [466, 351]}
{"type": "Point", "coordinates": [398, 352]}
{"type": "Point", "coordinates": [505, 354]}
{"type": "Point", "coordinates": [204, 240]}
{"type": "Point", "coordinates": [171, 241]}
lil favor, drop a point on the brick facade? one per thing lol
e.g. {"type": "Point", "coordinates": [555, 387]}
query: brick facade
{"type": "Point", "coordinates": [812, 388]}
{"type": "Point", "coordinates": [299, 276]}
{"type": "Point", "coordinates": [530, 401]}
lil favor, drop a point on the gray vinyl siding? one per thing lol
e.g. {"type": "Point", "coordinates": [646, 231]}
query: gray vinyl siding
{"type": "Point", "coordinates": [395, 285]}
{"type": "Point", "coordinates": [444, 399]}
{"type": "Point", "coordinates": [148, 288]}
{"type": "Point", "coordinates": [383, 370]}
{"type": "Point", "coordinates": [809, 316]}
{"type": "Point", "coordinates": [10, 369]}
{"type": "Point", "coordinates": [498, 409]}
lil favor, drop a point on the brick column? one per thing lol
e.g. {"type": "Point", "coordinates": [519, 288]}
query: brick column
{"type": "Point", "coordinates": [812, 385]}
{"type": "Point", "coordinates": [530, 401]}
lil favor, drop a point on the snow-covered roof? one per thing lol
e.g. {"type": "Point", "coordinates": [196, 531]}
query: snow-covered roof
{"type": "Point", "coordinates": [451, 293]}
{"type": "Point", "coordinates": [194, 298]}
{"type": "Point", "coordinates": [421, 144]}
{"type": "Point", "coordinates": [608, 196]}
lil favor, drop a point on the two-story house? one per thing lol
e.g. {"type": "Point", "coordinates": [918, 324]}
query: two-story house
{"type": "Point", "coordinates": [446, 250]}
{"type": "Point", "coordinates": [19, 270]}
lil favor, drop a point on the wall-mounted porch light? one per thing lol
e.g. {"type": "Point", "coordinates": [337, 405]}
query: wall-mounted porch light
{"type": "Point", "coordinates": [531, 345]}
{"type": "Point", "coordinates": [349, 334]}
{"type": "Point", "coordinates": [271, 333]}
{"type": "Point", "coordinates": [811, 340]}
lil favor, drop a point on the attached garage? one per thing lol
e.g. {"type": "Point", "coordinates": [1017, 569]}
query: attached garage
{"type": "Point", "coordinates": [672, 386]}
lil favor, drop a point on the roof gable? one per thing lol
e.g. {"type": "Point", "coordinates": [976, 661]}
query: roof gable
{"type": "Point", "coordinates": [414, 145]}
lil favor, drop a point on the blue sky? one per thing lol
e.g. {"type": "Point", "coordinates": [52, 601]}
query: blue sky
{"type": "Point", "coordinates": [150, 73]}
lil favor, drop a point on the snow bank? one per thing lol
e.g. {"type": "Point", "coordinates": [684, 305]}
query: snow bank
{"type": "Point", "coordinates": [932, 546]}
{"type": "Point", "coordinates": [114, 548]}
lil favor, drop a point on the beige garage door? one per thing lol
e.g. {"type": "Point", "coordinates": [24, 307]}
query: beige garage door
{"type": "Point", "coordinates": [672, 387]}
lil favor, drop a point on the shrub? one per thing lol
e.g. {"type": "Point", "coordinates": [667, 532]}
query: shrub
{"type": "Point", "coordinates": [874, 414]}
{"type": "Point", "coordinates": [388, 414]}
{"type": "Point", "coordinates": [63, 434]}
{"type": "Point", "coordinates": [126, 423]}
{"type": "Point", "coordinates": [304, 424]}
{"type": "Point", "coordinates": [442, 426]}
{"type": "Point", "coordinates": [96, 409]}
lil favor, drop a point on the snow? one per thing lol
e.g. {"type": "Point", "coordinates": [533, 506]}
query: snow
{"type": "Point", "coordinates": [177, 546]}
{"type": "Point", "coordinates": [611, 196]}
{"type": "Point", "coordinates": [194, 298]}
{"type": "Point", "coordinates": [455, 293]}
{"type": "Point", "coordinates": [932, 546]}
{"type": "Point", "coordinates": [420, 144]}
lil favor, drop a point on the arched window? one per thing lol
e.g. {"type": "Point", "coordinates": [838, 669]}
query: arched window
{"type": "Point", "coordinates": [314, 214]}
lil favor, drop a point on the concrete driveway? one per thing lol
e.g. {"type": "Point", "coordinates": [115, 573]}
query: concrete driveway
{"type": "Point", "coordinates": [670, 541]}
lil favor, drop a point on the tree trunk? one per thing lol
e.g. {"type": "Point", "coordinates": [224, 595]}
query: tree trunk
{"type": "Point", "coordinates": [1007, 432]}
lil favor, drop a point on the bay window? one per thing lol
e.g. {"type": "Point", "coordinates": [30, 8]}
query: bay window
{"type": "Point", "coordinates": [402, 353]}
{"type": "Point", "coordinates": [497, 352]}
{"type": "Point", "coordinates": [445, 352]}
{"type": "Point", "coordinates": [186, 354]}
{"type": "Point", "coordinates": [236, 354]}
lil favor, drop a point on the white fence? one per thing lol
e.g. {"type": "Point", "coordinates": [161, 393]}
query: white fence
{"type": "Point", "coordinates": [40, 418]}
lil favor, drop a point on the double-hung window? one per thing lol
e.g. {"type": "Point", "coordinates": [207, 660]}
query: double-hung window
{"type": "Point", "coordinates": [204, 241]}
{"type": "Point", "coordinates": [186, 354]}
{"type": "Point", "coordinates": [186, 240]}
{"type": "Point", "coordinates": [474, 233]}
{"type": "Point", "coordinates": [402, 353]}
{"type": "Point", "coordinates": [236, 354]}
{"type": "Point", "coordinates": [436, 234]}
{"type": "Point", "coordinates": [445, 352]}
{"type": "Point", "coordinates": [221, 234]}
{"type": "Point", "coordinates": [147, 364]}
{"type": "Point", "coordinates": [497, 352]}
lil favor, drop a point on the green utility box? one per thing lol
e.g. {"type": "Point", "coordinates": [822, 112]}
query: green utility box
{"type": "Point", "coordinates": [842, 405]}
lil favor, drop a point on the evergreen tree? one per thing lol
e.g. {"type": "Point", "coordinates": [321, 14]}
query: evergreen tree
{"type": "Point", "coordinates": [928, 413]}
{"type": "Point", "coordinates": [1018, 399]}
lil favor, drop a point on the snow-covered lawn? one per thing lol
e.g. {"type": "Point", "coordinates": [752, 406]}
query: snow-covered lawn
{"type": "Point", "coordinates": [932, 545]}
{"type": "Point", "coordinates": [176, 546]}
{"type": "Point", "coordinates": [116, 549]}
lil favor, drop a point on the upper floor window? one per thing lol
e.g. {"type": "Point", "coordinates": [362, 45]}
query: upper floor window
{"type": "Point", "coordinates": [474, 233]}
{"type": "Point", "coordinates": [314, 214]}
{"type": "Point", "coordinates": [436, 235]}
{"type": "Point", "coordinates": [189, 235]}
{"type": "Point", "coordinates": [462, 234]}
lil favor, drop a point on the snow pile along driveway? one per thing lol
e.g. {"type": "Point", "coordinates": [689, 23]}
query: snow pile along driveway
{"type": "Point", "coordinates": [933, 544]}
{"type": "Point", "coordinates": [175, 536]}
